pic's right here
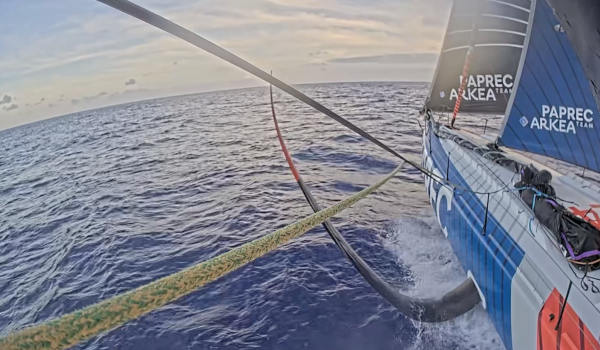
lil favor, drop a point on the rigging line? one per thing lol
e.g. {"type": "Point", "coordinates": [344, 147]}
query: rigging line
{"type": "Point", "coordinates": [461, 188]}
{"type": "Point", "coordinates": [160, 22]}
{"type": "Point", "coordinates": [505, 187]}
{"type": "Point", "coordinates": [451, 305]}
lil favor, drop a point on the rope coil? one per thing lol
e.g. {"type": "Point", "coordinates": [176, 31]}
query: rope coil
{"type": "Point", "coordinates": [75, 327]}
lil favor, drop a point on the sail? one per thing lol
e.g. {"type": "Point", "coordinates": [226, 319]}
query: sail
{"type": "Point", "coordinates": [495, 30]}
{"type": "Point", "coordinates": [580, 21]}
{"type": "Point", "coordinates": [552, 111]}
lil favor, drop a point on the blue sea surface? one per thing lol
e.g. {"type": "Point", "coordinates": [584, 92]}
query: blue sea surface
{"type": "Point", "coordinates": [97, 203]}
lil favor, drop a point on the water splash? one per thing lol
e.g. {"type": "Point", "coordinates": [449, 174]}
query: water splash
{"type": "Point", "coordinates": [420, 245]}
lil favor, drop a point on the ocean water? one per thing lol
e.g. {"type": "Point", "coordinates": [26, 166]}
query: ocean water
{"type": "Point", "coordinates": [97, 203]}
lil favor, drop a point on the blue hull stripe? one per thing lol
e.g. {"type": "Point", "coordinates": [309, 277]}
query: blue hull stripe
{"type": "Point", "coordinates": [492, 258]}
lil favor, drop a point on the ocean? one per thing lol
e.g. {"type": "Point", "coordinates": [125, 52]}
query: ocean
{"type": "Point", "coordinates": [97, 203]}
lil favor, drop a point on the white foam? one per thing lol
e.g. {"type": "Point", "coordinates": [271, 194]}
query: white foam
{"type": "Point", "coordinates": [422, 248]}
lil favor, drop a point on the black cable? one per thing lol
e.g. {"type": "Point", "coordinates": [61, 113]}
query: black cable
{"type": "Point", "coordinates": [453, 304]}
{"type": "Point", "coordinates": [564, 305]}
{"type": "Point", "coordinates": [582, 282]}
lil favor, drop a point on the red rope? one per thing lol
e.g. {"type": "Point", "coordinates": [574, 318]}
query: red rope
{"type": "Point", "coordinates": [283, 147]}
{"type": "Point", "coordinates": [462, 84]}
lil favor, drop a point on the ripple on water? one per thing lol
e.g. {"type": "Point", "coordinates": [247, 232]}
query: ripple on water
{"type": "Point", "coordinates": [97, 203]}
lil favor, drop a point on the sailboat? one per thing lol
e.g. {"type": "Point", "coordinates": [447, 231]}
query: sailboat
{"type": "Point", "coordinates": [527, 234]}
{"type": "Point", "coordinates": [526, 231]}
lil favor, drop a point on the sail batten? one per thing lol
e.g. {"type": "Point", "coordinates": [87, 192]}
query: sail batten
{"type": "Point", "coordinates": [505, 17]}
{"type": "Point", "coordinates": [499, 44]}
{"type": "Point", "coordinates": [552, 111]}
{"type": "Point", "coordinates": [511, 5]}
{"type": "Point", "coordinates": [484, 45]}
{"type": "Point", "coordinates": [503, 31]}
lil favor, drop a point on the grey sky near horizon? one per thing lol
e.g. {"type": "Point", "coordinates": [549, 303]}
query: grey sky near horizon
{"type": "Point", "coordinates": [81, 54]}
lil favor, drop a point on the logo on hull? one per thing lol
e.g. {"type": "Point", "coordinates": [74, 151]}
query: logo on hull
{"type": "Point", "coordinates": [436, 191]}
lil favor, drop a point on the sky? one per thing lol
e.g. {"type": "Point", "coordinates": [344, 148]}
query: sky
{"type": "Point", "coordinates": [59, 57]}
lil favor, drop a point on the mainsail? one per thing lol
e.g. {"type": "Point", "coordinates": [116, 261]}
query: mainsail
{"type": "Point", "coordinates": [496, 31]}
{"type": "Point", "coordinates": [552, 112]}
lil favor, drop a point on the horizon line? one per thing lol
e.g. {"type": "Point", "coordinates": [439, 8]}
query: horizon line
{"type": "Point", "coordinates": [207, 92]}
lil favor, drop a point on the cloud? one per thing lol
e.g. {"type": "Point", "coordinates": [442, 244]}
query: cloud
{"type": "Point", "coordinates": [11, 107]}
{"type": "Point", "coordinates": [87, 99]}
{"type": "Point", "coordinates": [6, 99]}
{"type": "Point", "coordinates": [318, 53]}
{"type": "Point", "coordinates": [402, 58]}
{"type": "Point", "coordinates": [89, 49]}
{"type": "Point", "coordinates": [127, 93]}
{"type": "Point", "coordinates": [94, 97]}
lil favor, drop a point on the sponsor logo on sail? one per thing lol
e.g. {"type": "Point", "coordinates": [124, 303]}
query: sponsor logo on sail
{"type": "Point", "coordinates": [559, 28]}
{"type": "Point", "coordinates": [484, 87]}
{"type": "Point", "coordinates": [561, 119]}
{"type": "Point", "coordinates": [523, 121]}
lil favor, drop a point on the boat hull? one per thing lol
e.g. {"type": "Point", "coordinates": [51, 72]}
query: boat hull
{"type": "Point", "coordinates": [516, 270]}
